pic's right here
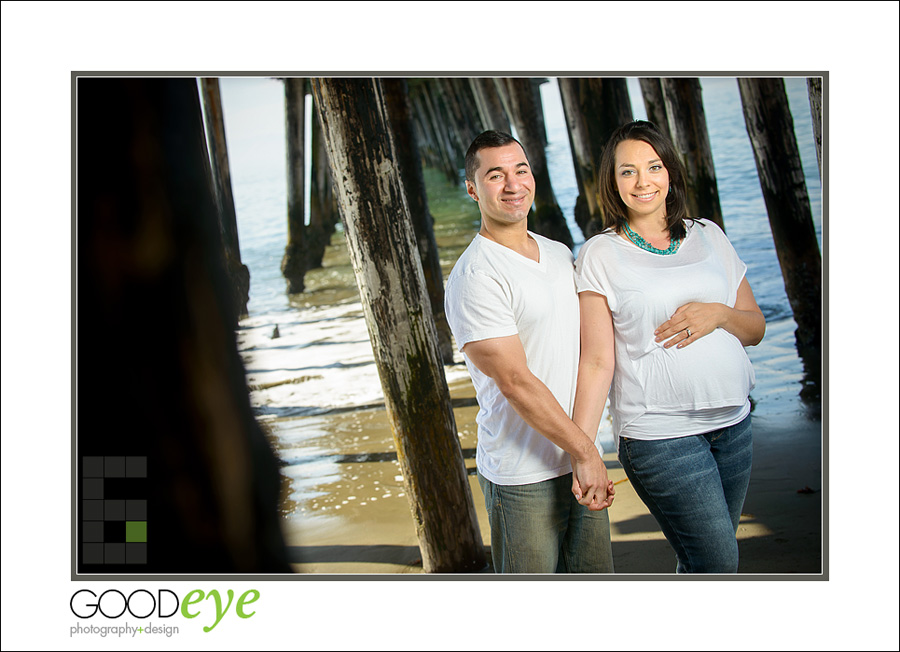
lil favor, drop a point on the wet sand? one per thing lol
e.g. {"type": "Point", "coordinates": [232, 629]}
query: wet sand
{"type": "Point", "coordinates": [356, 520]}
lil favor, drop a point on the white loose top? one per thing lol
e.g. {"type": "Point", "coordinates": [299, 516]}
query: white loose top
{"type": "Point", "coordinates": [656, 392]}
{"type": "Point", "coordinates": [495, 292]}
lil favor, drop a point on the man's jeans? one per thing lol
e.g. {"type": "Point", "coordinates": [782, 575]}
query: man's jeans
{"type": "Point", "coordinates": [541, 528]}
{"type": "Point", "coordinates": [695, 487]}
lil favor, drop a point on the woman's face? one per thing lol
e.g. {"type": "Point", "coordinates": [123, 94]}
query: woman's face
{"type": "Point", "coordinates": [642, 180]}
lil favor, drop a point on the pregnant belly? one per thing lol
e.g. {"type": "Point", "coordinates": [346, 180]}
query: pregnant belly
{"type": "Point", "coordinates": [714, 371]}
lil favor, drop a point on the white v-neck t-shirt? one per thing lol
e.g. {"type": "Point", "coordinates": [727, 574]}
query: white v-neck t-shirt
{"type": "Point", "coordinates": [656, 392]}
{"type": "Point", "coordinates": [492, 292]}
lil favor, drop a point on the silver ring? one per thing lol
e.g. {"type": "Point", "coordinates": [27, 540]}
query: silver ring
{"type": "Point", "coordinates": [688, 331]}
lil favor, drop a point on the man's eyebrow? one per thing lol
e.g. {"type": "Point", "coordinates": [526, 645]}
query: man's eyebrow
{"type": "Point", "coordinates": [500, 169]}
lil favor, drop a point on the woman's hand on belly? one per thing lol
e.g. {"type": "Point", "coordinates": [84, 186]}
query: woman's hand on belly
{"type": "Point", "coordinates": [691, 322]}
{"type": "Point", "coordinates": [694, 320]}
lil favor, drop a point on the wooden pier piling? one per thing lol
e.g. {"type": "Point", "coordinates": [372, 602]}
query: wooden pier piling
{"type": "Point", "coordinates": [323, 209]}
{"type": "Point", "coordinates": [687, 126]}
{"type": "Point", "coordinates": [294, 262]}
{"type": "Point", "coordinates": [655, 104]}
{"type": "Point", "coordinates": [771, 129]}
{"type": "Point", "coordinates": [422, 93]}
{"type": "Point", "coordinates": [594, 107]}
{"type": "Point", "coordinates": [814, 86]}
{"type": "Point", "coordinates": [548, 218]}
{"type": "Point", "coordinates": [410, 167]}
{"type": "Point", "coordinates": [395, 303]}
{"type": "Point", "coordinates": [489, 104]}
{"type": "Point", "coordinates": [221, 174]}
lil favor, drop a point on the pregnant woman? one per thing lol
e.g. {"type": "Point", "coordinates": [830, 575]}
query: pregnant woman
{"type": "Point", "coordinates": [666, 311]}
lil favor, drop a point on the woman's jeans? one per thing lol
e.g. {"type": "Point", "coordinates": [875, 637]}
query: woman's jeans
{"type": "Point", "coordinates": [541, 528]}
{"type": "Point", "coordinates": [695, 487]}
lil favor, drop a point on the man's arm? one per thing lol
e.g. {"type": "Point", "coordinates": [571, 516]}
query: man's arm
{"type": "Point", "coordinates": [503, 360]}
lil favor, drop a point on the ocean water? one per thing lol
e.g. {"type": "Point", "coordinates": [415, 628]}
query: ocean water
{"type": "Point", "coordinates": [323, 360]}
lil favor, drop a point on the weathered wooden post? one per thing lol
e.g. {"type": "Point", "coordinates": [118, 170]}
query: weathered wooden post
{"type": "Point", "coordinates": [536, 83]}
{"type": "Point", "coordinates": [392, 288]}
{"type": "Point", "coordinates": [771, 129]}
{"type": "Point", "coordinates": [155, 332]}
{"type": "Point", "coordinates": [410, 168]}
{"type": "Point", "coordinates": [655, 103]}
{"type": "Point", "coordinates": [429, 112]}
{"type": "Point", "coordinates": [221, 173]}
{"type": "Point", "coordinates": [594, 107]}
{"type": "Point", "coordinates": [548, 218]}
{"type": "Point", "coordinates": [687, 125]}
{"type": "Point", "coordinates": [323, 209]}
{"type": "Point", "coordinates": [489, 103]}
{"type": "Point", "coordinates": [443, 102]}
{"type": "Point", "coordinates": [294, 263]}
{"type": "Point", "coordinates": [814, 86]}
{"type": "Point", "coordinates": [429, 147]}
{"type": "Point", "coordinates": [463, 120]}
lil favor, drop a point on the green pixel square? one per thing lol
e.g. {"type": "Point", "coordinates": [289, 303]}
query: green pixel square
{"type": "Point", "coordinates": [135, 531]}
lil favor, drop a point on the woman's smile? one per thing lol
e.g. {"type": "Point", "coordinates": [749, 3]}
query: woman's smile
{"type": "Point", "coordinates": [642, 179]}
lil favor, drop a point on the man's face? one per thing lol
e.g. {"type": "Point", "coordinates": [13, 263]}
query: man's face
{"type": "Point", "coordinates": [503, 185]}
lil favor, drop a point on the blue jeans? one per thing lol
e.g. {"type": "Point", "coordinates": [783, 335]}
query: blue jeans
{"type": "Point", "coordinates": [695, 487]}
{"type": "Point", "coordinates": [541, 528]}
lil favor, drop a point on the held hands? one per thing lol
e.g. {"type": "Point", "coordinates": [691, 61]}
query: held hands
{"type": "Point", "coordinates": [691, 322]}
{"type": "Point", "coordinates": [591, 485]}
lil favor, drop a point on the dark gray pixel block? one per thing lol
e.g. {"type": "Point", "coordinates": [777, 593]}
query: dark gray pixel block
{"type": "Point", "coordinates": [92, 532]}
{"type": "Point", "coordinates": [91, 510]}
{"type": "Point", "coordinates": [92, 489]}
{"type": "Point", "coordinates": [114, 553]}
{"type": "Point", "coordinates": [92, 553]}
{"type": "Point", "coordinates": [114, 510]}
{"type": "Point", "coordinates": [135, 553]}
{"type": "Point", "coordinates": [92, 467]}
{"type": "Point", "coordinates": [135, 510]}
{"type": "Point", "coordinates": [114, 467]}
{"type": "Point", "coordinates": [136, 467]}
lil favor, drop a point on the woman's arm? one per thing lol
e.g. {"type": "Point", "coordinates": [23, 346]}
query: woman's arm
{"type": "Point", "coordinates": [597, 362]}
{"type": "Point", "coordinates": [745, 321]}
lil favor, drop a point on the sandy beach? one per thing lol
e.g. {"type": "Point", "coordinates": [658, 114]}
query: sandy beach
{"type": "Point", "coordinates": [370, 529]}
{"type": "Point", "coordinates": [345, 510]}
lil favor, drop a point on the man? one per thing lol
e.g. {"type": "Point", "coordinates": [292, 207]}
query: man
{"type": "Point", "coordinates": [513, 310]}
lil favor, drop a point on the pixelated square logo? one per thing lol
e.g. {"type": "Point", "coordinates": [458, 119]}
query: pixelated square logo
{"type": "Point", "coordinates": [113, 514]}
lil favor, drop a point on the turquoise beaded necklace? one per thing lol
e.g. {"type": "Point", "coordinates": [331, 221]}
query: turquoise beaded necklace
{"type": "Point", "coordinates": [646, 246]}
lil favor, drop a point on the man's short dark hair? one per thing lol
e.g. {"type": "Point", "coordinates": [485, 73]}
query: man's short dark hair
{"type": "Point", "coordinates": [486, 140]}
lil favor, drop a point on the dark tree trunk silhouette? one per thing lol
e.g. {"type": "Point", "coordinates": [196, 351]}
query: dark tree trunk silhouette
{"type": "Point", "coordinates": [158, 371]}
